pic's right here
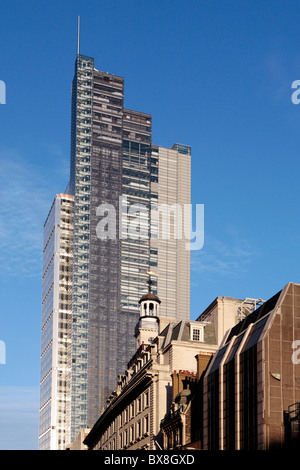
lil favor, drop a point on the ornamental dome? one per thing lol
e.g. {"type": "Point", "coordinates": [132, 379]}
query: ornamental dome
{"type": "Point", "coordinates": [150, 296]}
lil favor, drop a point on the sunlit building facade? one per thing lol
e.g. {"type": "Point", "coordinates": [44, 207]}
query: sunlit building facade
{"type": "Point", "coordinates": [55, 325]}
{"type": "Point", "coordinates": [173, 188]}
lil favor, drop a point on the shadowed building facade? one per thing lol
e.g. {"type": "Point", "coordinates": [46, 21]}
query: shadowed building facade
{"type": "Point", "coordinates": [252, 387]}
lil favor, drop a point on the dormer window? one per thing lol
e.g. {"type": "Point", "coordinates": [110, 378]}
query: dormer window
{"type": "Point", "coordinates": [197, 333]}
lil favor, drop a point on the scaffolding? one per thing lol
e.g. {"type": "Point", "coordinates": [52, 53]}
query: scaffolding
{"type": "Point", "coordinates": [248, 306]}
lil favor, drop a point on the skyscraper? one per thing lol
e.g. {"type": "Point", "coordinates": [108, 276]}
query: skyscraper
{"type": "Point", "coordinates": [115, 167]}
{"type": "Point", "coordinates": [173, 190]}
{"type": "Point", "coordinates": [55, 325]}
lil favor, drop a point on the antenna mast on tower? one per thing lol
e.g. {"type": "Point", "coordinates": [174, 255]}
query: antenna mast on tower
{"type": "Point", "coordinates": [78, 36]}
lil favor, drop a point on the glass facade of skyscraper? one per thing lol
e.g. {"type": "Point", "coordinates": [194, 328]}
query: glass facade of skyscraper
{"type": "Point", "coordinates": [135, 249]}
{"type": "Point", "coordinates": [96, 177]}
{"type": "Point", "coordinates": [114, 165]}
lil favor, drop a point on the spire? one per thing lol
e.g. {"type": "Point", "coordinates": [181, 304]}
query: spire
{"type": "Point", "coordinates": [149, 282]}
{"type": "Point", "coordinates": [78, 36]}
{"type": "Point", "coordinates": [149, 296]}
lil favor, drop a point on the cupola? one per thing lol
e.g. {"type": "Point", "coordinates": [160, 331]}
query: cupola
{"type": "Point", "coordinates": [147, 327]}
{"type": "Point", "coordinates": [149, 303]}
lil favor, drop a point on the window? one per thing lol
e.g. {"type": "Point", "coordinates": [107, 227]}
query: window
{"type": "Point", "coordinates": [146, 425]}
{"type": "Point", "coordinates": [139, 405]}
{"type": "Point", "coordinates": [255, 333]}
{"type": "Point", "coordinates": [146, 400]}
{"type": "Point", "coordinates": [131, 434]}
{"type": "Point", "coordinates": [138, 431]}
{"type": "Point", "coordinates": [197, 334]}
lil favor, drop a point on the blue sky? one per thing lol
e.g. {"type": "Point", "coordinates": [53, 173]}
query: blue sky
{"type": "Point", "coordinates": [215, 75]}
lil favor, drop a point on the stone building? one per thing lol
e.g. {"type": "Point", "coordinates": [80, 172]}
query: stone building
{"type": "Point", "coordinates": [77, 443]}
{"type": "Point", "coordinates": [182, 426]}
{"type": "Point", "coordinates": [158, 402]}
{"type": "Point", "coordinates": [176, 425]}
{"type": "Point", "coordinates": [132, 417]}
